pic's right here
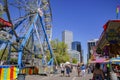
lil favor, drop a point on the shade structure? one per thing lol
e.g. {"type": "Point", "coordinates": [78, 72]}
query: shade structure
{"type": "Point", "coordinates": [99, 60]}
{"type": "Point", "coordinates": [115, 60]}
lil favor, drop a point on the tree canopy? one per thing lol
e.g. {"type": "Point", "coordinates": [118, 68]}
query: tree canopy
{"type": "Point", "coordinates": [60, 51]}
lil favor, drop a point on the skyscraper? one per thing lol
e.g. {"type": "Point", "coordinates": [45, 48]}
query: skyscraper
{"type": "Point", "coordinates": [67, 37]}
{"type": "Point", "coordinates": [91, 44]}
{"type": "Point", "coordinates": [74, 54]}
{"type": "Point", "coordinates": [77, 46]}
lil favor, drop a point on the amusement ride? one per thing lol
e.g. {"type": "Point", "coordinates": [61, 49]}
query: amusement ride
{"type": "Point", "coordinates": [25, 32]}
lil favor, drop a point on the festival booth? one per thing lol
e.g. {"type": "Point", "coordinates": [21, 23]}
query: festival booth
{"type": "Point", "coordinates": [112, 36]}
{"type": "Point", "coordinates": [115, 60]}
{"type": "Point", "coordinates": [112, 29]}
{"type": "Point", "coordinates": [8, 72]}
{"type": "Point", "coordinates": [115, 68]}
{"type": "Point", "coordinates": [109, 46]}
{"type": "Point", "coordinates": [99, 60]}
{"type": "Point", "coordinates": [102, 61]}
{"type": "Point", "coordinates": [96, 57]}
{"type": "Point", "coordinates": [109, 41]}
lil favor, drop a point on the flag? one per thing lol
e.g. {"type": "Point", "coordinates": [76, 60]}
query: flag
{"type": "Point", "coordinates": [117, 11]}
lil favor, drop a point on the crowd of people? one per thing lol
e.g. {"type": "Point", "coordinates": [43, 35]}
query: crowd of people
{"type": "Point", "coordinates": [81, 69]}
{"type": "Point", "coordinates": [99, 72]}
{"type": "Point", "coordinates": [67, 69]}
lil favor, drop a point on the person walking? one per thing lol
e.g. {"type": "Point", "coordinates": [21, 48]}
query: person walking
{"type": "Point", "coordinates": [88, 69]}
{"type": "Point", "coordinates": [62, 69]}
{"type": "Point", "coordinates": [78, 69]}
{"type": "Point", "coordinates": [98, 73]}
{"type": "Point", "coordinates": [83, 69]}
{"type": "Point", "coordinates": [67, 70]}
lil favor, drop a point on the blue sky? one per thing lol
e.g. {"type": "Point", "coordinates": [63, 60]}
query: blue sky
{"type": "Point", "coordinates": [85, 18]}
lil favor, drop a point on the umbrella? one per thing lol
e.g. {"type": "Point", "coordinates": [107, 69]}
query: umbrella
{"type": "Point", "coordinates": [115, 60]}
{"type": "Point", "coordinates": [67, 63]}
{"type": "Point", "coordinates": [99, 60]}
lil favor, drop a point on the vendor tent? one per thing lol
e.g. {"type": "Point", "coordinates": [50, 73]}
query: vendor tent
{"type": "Point", "coordinates": [115, 60]}
{"type": "Point", "coordinates": [99, 60]}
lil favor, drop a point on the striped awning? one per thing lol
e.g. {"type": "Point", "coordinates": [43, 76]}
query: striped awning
{"type": "Point", "coordinates": [8, 72]}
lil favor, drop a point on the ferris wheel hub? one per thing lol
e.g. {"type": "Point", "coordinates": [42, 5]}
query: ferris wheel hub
{"type": "Point", "coordinates": [40, 12]}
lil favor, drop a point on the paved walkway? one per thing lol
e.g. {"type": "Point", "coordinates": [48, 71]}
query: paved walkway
{"type": "Point", "coordinates": [73, 76]}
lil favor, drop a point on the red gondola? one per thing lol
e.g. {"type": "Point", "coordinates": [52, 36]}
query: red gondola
{"type": "Point", "coordinates": [4, 23]}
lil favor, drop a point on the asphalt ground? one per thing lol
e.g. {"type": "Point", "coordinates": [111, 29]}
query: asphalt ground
{"type": "Point", "coordinates": [58, 76]}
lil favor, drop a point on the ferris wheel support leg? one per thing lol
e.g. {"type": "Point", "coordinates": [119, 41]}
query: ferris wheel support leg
{"type": "Point", "coordinates": [46, 37]}
{"type": "Point", "coordinates": [9, 51]}
{"type": "Point", "coordinates": [20, 59]}
{"type": "Point", "coordinates": [22, 46]}
{"type": "Point", "coordinates": [26, 37]}
{"type": "Point", "coordinates": [32, 48]}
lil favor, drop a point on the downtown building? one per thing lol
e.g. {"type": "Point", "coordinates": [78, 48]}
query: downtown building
{"type": "Point", "coordinates": [74, 54]}
{"type": "Point", "coordinates": [67, 38]}
{"type": "Point", "coordinates": [90, 44]}
{"type": "Point", "coordinates": [76, 45]}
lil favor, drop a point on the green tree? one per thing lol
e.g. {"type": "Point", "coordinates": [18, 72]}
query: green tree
{"type": "Point", "coordinates": [74, 60]}
{"type": "Point", "coordinates": [60, 51]}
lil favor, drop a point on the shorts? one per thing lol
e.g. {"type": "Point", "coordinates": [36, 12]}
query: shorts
{"type": "Point", "coordinates": [62, 71]}
{"type": "Point", "coordinates": [83, 72]}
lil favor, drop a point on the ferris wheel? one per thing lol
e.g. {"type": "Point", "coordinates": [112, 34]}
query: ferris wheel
{"type": "Point", "coordinates": [25, 29]}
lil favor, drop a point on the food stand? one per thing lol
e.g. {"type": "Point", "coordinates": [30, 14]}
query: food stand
{"type": "Point", "coordinates": [115, 68]}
